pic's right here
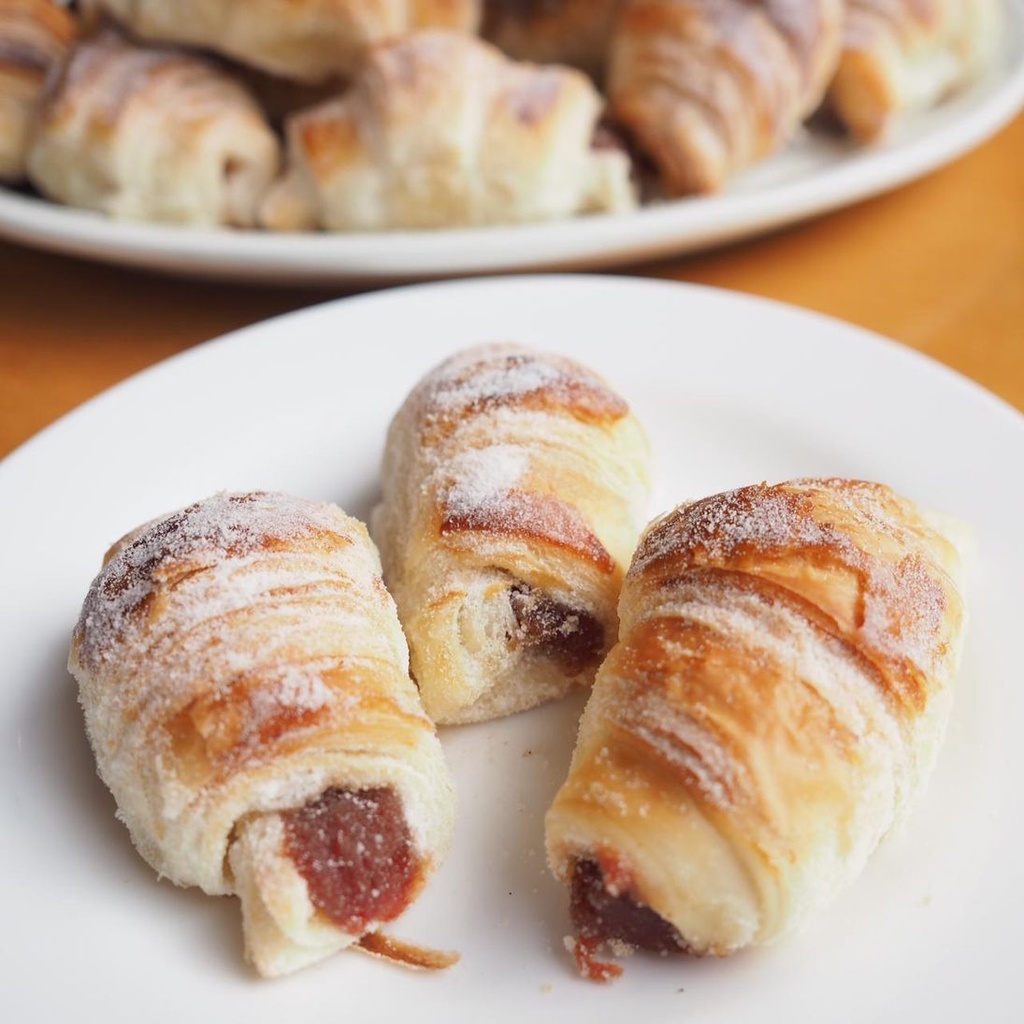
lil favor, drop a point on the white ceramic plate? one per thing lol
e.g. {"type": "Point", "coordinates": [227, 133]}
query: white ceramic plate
{"type": "Point", "coordinates": [815, 174]}
{"type": "Point", "coordinates": [732, 390]}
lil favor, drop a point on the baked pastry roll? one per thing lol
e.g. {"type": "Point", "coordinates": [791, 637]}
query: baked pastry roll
{"type": "Point", "coordinates": [513, 485]}
{"type": "Point", "coordinates": [707, 87]}
{"type": "Point", "coordinates": [440, 130]}
{"type": "Point", "coordinates": [575, 32]}
{"type": "Point", "coordinates": [309, 40]}
{"type": "Point", "coordinates": [246, 693]}
{"type": "Point", "coordinates": [151, 134]}
{"type": "Point", "coordinates": [777, 696]}
{"type": "Point", "coordinates": [35, 36]}
{"type": "Point", "coordinates": [900, 56]}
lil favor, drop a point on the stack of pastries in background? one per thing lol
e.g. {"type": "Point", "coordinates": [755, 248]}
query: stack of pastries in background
{"type": "Point", "coordinates": [369, 115]}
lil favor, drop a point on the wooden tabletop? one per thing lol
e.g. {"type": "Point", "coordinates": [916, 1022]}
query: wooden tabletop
{"type": "Point", "coordinates": [937, 265]}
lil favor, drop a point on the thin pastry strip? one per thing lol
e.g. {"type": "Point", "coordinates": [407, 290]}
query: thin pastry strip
{"type": "Point", "coordinates": [308, 40]}
{"type": "Point", "coordinates": [708, 87]}
{"type": "Point", "coordinates": [779, 691]}
{"type": "Point", "coordinates": [440, 130]}
{"type": "Point", "coordinates": [152, 134]}
{"type": "Point", "coordinates": [245, 685]}
{"type": "Point", "coordinates": [513, 484]}
{"type": "Point", "coordinates": [901, 56]}
{"type": "Point", "coordinates": [35, 36]}
{"type": "Point", "coordinates": [574, 32]}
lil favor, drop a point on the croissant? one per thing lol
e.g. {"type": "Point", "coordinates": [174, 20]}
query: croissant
{"type": "Point", "coordinates": [900, 56]}
{"type": "Point", "coordinates": [575, 32]}
{"type": "Point", "coordinates": [34, 38]}
{"type": "Point", "coordinates": [512, 485]}
{"type": "Point", "coordinates": [309, 40]}
{"type": "Point", "coordinates": [776, 699]}
{"type": "Point", "coordinates": [152, 135]}
{"type": "Point", "coordinates": [441, 130]}
{"type": "Point", "coordinates": [245, 686]}
{"type": "Point", "coordinates": [707, 87]}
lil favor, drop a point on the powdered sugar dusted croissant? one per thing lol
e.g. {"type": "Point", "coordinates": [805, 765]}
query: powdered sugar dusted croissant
{"type": "Point", "coordinates": [780, 688]}
{"type": "Point", "coordinates": [901, 56]}
{"type": "Point", "coordinates": [575, 32]}
{"type": "Point", "coordinates": [707, 87]}
{"type": "Point", "coordinates": [310, 40]}
{"type": "Point", "coordinates": [441, 130]}
{"type": "Point", "coordinates": [152, 134]}
{"type": "Point", "coordinates": [245, 686]}
{"type": "Point", "coordinates": [34, 38]}
{"type": "Point", "coordinates": [512, 489]}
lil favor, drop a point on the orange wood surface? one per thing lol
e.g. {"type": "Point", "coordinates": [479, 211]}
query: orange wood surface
{"type": "Point", "coordinates": [937, 265]}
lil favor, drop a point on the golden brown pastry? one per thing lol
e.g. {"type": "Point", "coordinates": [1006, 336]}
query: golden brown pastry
{"type": "Point", "coordinates": [708, 87]}
{"type": "Point", "coordinates": [513, 485]}
{"type": "Point", "coordinates": [900, 56]}
{"type": "Point", "coordinates": [309, 40]}
{"type": "Point", "coordinates": [776, 699]}
{"type": "Point", "coordinates": [575, 32]}
{"type": "Point", "coordinates": [152, 134]}
{"type": "Point", "coordinates": [35, 36]}
{"type": "Point", "coordinates": [440, 130]}
{"type": "Point", "coordinates": [246, 693]}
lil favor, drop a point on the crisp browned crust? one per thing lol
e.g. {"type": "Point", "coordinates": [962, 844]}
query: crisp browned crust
{"type": "Point", "coordinates": [508, 472]}
{"type": "Point", "coordinates": [775, 701]}
{"type": "Point", "coordinates": [539, 518]}
{"type": "Point", "coordinates": [240, 661]}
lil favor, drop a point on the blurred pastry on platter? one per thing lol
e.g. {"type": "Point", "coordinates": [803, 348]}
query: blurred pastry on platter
{"type": "Point", "coordinates": [442, 130]}
{"type": "Point", "coordinates": [35, 36]}
{"type": "Point", "coordinates": [575, 32]}
{"type": "Point", "coordinates": [438, 114]}
{"type": "Point", "coordinates": [309, 40]}
{"type": "Point", "coordinates": [152, 134]}
{"type": "Point", "coordinates": [903, 56]}
{"type": "Point", "coordinates": [707, 87]}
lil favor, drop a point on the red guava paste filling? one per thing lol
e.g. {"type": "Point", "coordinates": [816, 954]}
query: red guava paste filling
{"type": "Point", "coordinates": [354, 850]}
{"type": "Point", "coordinates": [599, 917]}
{"type": "Point", "coordinates": [589, 965]}
{"type": "Point", "coordinates": [570, 636]}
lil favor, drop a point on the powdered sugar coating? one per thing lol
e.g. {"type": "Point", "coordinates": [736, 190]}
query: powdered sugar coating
{"type": "Point", "coordinates": [222, 541]}
{"type": "Point", "coordinates": [859, 526]}
{"type": "Point", "coordinates": [776, 700]}
{"type": "Point", "coordinates": [237, 658]}
{"type": "Point", "coordinates": [493, 483]}
{"type": "Point", "coordinates": [506, 469]}
{"type": "Point", "coordinates": [483, 478]}
{"type": "Point", "coordinates": [489, 376]}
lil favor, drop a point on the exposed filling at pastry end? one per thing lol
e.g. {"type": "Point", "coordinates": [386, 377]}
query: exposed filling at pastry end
{"type": "Point", "coordinates": [355, 852]}
{"type": "Point", "coordinates": [571, 637]}
{"type": "Point", "coordinates": [615, 919]}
